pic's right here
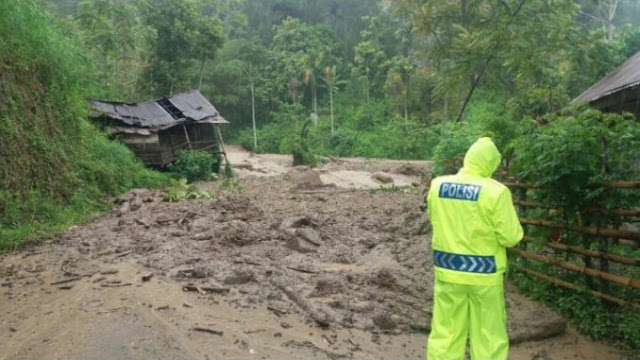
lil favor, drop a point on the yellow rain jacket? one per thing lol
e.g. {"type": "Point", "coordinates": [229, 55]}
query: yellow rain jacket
{"type": "Point", "coordinates": [473, 221]}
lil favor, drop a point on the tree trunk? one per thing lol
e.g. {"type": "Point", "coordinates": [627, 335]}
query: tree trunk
{"type": "Point", "coordinates": [331, 105]}
{"type": "Point", "coordinates": [462, 100]}
{"type": "Point", "coordinates": [407, 96]}
{"type": "Point", "coordinates": [105, 71]}
{"type": "Point", "coordinates": [293, 90]}
{"type": "Point", "coordinates": [204, 60]}
{"type": "Point", "coordinates": [463, 14]}
{"type": "Point", "coordinates": [611, 14]}
{"type": "Point", "coordinates": [253, 116]}
{"type": "Point", "coordinates": [116, 75]}
{"type": "Point", "coordinates": [366, 89]}
{"type": "Point", "coordinates": [314, 99]}
{"type": "Point", "coordinates": [446, 106]}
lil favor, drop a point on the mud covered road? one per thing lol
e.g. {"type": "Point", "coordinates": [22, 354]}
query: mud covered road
{"type": "Point", "coordinates": [289, 263]}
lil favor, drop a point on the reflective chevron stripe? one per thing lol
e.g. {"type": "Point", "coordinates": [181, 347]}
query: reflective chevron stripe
{"type": "Point", "coordinates": [467, 263]}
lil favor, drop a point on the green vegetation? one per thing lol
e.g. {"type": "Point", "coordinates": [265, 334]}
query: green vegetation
{"type": "Point", "coordinates": [566, 154]}
{"type": "Point", "coordinates": [180, 191]}
{"type": "Point", "coordinates": [196, 165]}
{"type": "Point", "coordinates": [56, 168]}
{"type": "Point", "coordinates": [300, 148]}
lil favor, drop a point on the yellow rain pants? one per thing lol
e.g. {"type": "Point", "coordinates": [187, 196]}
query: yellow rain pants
{"type": "Point", "coordinates": [468, 310]}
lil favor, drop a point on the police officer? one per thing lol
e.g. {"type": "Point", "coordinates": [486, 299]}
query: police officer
{"type": "Point", "coordinates": [473, 221]}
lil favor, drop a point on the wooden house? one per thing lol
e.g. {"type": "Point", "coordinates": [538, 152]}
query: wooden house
{"type": "Point", "coordinates": [619, 91]}
{"type": "Point", "coordinates": [157, 131]}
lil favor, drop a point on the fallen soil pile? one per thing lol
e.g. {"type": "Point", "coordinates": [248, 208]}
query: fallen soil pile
{"type": "Point", "coordinates": [286, 264]}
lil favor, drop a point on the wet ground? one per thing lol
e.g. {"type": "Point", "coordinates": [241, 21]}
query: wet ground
{"type": "Point", "coordinates": [287, 263]}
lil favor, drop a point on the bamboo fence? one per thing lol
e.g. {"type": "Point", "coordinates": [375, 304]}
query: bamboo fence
{"type": "Point", "coordinates": [593, 265]}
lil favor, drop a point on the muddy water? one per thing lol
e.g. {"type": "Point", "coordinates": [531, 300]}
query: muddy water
{"type": "Point", "coordinates": [287, 267]}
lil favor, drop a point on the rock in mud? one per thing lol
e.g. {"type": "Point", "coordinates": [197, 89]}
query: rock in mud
{"type": "Point", "coordinates": [239, 233]}
{"type": "Point", "coordinates": [305, 179]}
{"type": "Point", "coordinates": [309, 235]}
{"type": "Point", "coordinates": [385, 279]}
{"type": "Point", "coordinates": [124, 209]}
{"type": "Point", "coordinates": [136, 203]}
{"type": "Point", "coordinates": [163, 220]}
{"type": "Point", "coordinates": [382, 177]}
{"type": "Point", "coordinates": [537, 329]}
{"type": "Point", "coordinates": [195, 273]}
{"type": "Point", "coordinates": [327, 286]}
{"type": "Point", "coordinates": [239, 277]}
{"type": "Point", "coordinates": [295, 222]}
{"type": "Point", "coordinates": [244, 166]}
{"type": "Point", "coordinates": [384, 321]}
{"type": "Point", "coordinates": [415, 223]}
{"type": "Point", "coordinates": [300, 245]}
{"type": "Point", "coordinates": [410, 170]}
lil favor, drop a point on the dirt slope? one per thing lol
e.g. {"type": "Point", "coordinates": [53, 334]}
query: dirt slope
{"type": "Point", "coordinates": [299, 263]}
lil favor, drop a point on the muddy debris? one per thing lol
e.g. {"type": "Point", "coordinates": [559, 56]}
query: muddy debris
{"type": "Point", "coordinates": [300, 245]}
{"type": "Point", "coordinates": [202, 237]}
{"type": "Point", "coordinates": [384, 278]}
{"type": "Point", "coordinates": [382, 178]}
{"type": "Point", "coordinates": [240, 277]}
{"type": "Point", "coordinates": [327, 286]}
{"type": "Point", "coordinates": [296, 222]}
{"type": "Point", "coordinates": [209, 331]}
{"type": "Point", "coordinates": [192, 273]}
{"type": "Point", "coordinates": [345, 261]}
{"type": "Point", "coordinates": [384, 321]}
{"type": "Point", "coordinates": [411, 170]}
{"type": "Point", "coordinates": [309, 235]}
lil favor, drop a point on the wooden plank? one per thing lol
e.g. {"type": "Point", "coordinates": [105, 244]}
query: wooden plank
{"type": "Point", "coordinates": [519, 185]}
{"type": "Point", "coordinates": [591, 230]}
{"type": "Point", "coordinates": [186, 134]}
{"type": "Point", "coordinates": [621, 280]}
{"type": "Point", "coordinates": [535, 204]}
{"type": "Point", "coordinates": [611, 185]}
{"type": "Point", "coordinates": [593, 253]}
{"type": "Point", "coordinates": [591, 210]}
{"type": "Point", "coordinates": [574, 287]}
{"type": "Point", "coordinates": [621, 185]}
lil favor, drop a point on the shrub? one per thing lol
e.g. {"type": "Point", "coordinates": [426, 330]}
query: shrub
{"type": "Point", "coordinates": [301, 153]}
{"type": "Point", "coordinates": [193, 165]}
{"type": "Point", "coordinates": [180, 191]}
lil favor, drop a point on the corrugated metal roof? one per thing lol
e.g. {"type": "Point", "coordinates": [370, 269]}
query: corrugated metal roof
{"type": "Point", "coordinates": [192, 106]}
{"type": "Point", "coordinates": [625, 76]}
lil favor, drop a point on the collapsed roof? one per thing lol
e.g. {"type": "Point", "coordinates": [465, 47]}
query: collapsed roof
{"type": "Point", "coordinates": [160, 114]}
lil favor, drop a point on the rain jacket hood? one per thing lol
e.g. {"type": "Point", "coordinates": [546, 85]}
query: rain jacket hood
{"type": "Point", "coordinates": [482, 158]}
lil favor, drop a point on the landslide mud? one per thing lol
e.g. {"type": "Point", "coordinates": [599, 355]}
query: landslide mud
{"type": "Point", "coordinates": [282, 266]}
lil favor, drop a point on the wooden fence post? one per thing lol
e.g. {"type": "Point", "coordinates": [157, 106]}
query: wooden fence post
{"type": "Point", "coordinates": [587, 259]}
{"type": "Point", "coordinates": [522, 195]}
{"type": "Point", "coordinates": [604, 262]}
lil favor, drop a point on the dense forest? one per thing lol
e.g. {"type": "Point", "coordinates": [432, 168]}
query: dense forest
{"type": "Point", "coordinates": [375, 78]}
